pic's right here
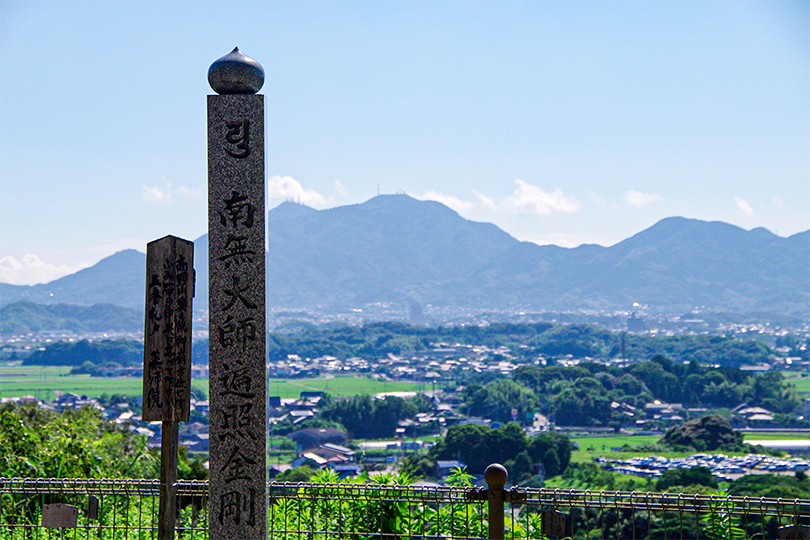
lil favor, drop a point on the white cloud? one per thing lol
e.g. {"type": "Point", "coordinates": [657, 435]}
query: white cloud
{"type": "Point", "coordinates": [595, 197]}
{"type": "Point", "coordinates": [777, 202]}
{"type": "Point", "coordinates": [32, 270]}
{"type": "Point", "coordinates": [340, 189]}
{"type": "Point", "coordinates": [560, 239]}
{"type": "Point", "coordinates": [530, 199]}
{"type": "Point", "coordinates": [743, 205]}
{"type": "Point", "coordinates": [486, 201]}
{"type": "Point", "coordinates": [288, 188]}
{"type": "Point", "coordinates": [156, 195]}
{"type": "Point", "coordinates": [637, 199]}
{"type": "Point", "coordinates": [192, 194]}
{"type": "Point", "coordinates": [165, 196]}
{"type": "Point", "coordinates": [448, 200]}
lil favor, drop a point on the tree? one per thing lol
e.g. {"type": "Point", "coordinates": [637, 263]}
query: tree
{"type": "Point", "coordinates": [365, 417]}
{"type": "Point", "coordinates": [686, 477]}
{"type": "Point", "coordinates": [63, 353]}
{"type": "Point", "coordinates": [630, 385]}
{"type": "Point", "coordinates": [78, 443]}
{"type": "Point", "coordinates": [662, 384]}
{"type": "Point", "coordinates": [560, 445]}
{"type": "Point", "coordinates": [298, 474]}
{"type": "Point", "coordinates": [520, 468]}
{"type": "Point", "coordinates": [479, 446]}
{"type": "Point", "coordinates": [578, 406]}
{"type": "Point", "coordinates": [723, 395]}
{"type": "Point", "coordinates": [710, 432]}
{"type": "Point", "coordinates": [503, 395]}
{"type": "Point", "coordinates": [771, 391]}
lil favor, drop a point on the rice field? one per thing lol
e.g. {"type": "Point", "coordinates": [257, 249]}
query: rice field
{"type": "Point", "coordinates": [340, 386]}
{"type": "Point", "coordinates": [43, 382]}
{"type": "Point", "coordinates": [602, 446]}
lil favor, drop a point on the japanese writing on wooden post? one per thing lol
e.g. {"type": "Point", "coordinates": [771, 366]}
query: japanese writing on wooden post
{"type": "Point", "coordinates": [167, 329]}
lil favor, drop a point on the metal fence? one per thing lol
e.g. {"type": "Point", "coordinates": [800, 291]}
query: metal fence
{"type": "Point", "coordinates": [36, 508]}
{"type": "Point", "coordinates": [632, 515]}
{"type": "Point", "coordinates": [127, 509]}
{"type": "Point", "coordinates": [326, 511]}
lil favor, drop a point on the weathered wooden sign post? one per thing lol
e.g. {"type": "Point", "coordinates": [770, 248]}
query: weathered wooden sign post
{"type": "Point", "coordinates": [167, 357]}
{"type": "Point", "coordinates": [236, 244]}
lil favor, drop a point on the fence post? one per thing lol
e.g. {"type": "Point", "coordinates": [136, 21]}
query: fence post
{"type": "Point", "coordinates": [496, 476]}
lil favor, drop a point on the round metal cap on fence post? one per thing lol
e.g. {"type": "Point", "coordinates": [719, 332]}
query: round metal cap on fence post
{"type": "Point", "coordinates": [496, 477]}
{"type": "Point", "coordinates": [236, 73]}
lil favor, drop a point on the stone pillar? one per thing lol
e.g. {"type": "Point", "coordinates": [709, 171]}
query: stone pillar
{"type": "Point", "coordinates": [236, 266]}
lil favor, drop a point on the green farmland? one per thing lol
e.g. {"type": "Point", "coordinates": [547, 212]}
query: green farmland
{"type": "Point", "coordinates": [339, 386]}
{"type": "Point", "coordinates": [600, 446]}
{"type": "Point", "coordinates": [43, 382]}
{"type": "Point", "coordinates": [800, 380]}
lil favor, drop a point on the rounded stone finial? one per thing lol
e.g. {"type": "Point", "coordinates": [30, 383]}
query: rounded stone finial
{"type": "Point", "coordinates": [496, 476]}
{"type": "Point", "coordinates": [236, 73]}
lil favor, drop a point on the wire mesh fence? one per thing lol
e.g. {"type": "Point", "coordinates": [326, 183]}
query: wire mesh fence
{"type": "Point", "coordinates": [633, 515]}
{"type": "Point", "coordinates": [327, 511]}
{"type": "Point", "coordinates": [127, 509]}
{"type": "Point", "coordinates": [37, 508]}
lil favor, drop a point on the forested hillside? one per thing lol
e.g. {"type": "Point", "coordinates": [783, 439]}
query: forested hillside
{"type": "Point", "coordinates": [525, 341]}
{"type": "Point", "coordinates": [25, 317]}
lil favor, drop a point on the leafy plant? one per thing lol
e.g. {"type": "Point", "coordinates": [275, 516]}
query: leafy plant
{"type": "Point", "coordinates": [720, 523]}
{"type": "Point", "coordinates": [369, 506]}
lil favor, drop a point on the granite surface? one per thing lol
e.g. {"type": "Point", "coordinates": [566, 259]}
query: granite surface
{"type": "Point", "coordinates": [236, 236]}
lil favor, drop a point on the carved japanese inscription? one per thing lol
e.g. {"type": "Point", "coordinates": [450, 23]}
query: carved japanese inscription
{"type": "Point", "coordinates": [167, 329]}
{"type": "Point", "coordinates": [238, 504]}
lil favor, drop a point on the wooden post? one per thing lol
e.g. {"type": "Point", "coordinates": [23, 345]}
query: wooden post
{"type": "Point", "coordinates": [167, 358]}
{"type": "Point", "coordinates": [167, 511]}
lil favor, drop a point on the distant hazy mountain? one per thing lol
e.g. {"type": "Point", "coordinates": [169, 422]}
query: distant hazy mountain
{"type": "Point", "coordinates": [21, 317]}
{"type": "Point", "coordinates": [675, 265]}
{"type": "Point", "coordinates": [118, 279]}
{"type": "Point", "coordinates": [396, 249]}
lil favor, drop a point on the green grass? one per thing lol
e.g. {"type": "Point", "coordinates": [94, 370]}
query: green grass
{"type": "Point", "coordinates": [615, 441]}
{"type": "Point", "coordinates": [17, 370]}
{"type": "Point", "coordinates": [801, 380]}
{"type": "Point", "coordinates": [45, 387]}
{"type": "Point", "coordinates": [776, 435]}
{"type": "Point", "coordinates": [624, 482]}
{"type": "Point", "coordinates": [43, 382]}
{"type": "Point", "coordinates": [602, 445]}
{"type": "Point", "coordinates": [339, 386]}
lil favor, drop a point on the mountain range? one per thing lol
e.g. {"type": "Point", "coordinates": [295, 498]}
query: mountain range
{"type": "Point", "coordinates": [394, 248]}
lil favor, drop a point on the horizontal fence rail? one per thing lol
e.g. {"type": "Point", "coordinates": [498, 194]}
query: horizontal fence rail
{"type": "Point", "coordinates": [325, 511]}
{"type": "Point", "coordinates": [620, 515]}
{"type": "Point", "coordinates": [33, 508]}
{"type": "Point", "coordinates": [120, 509]}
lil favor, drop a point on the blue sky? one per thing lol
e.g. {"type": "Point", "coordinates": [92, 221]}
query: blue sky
{"type": "Point", "coordinates": [561, 122]}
